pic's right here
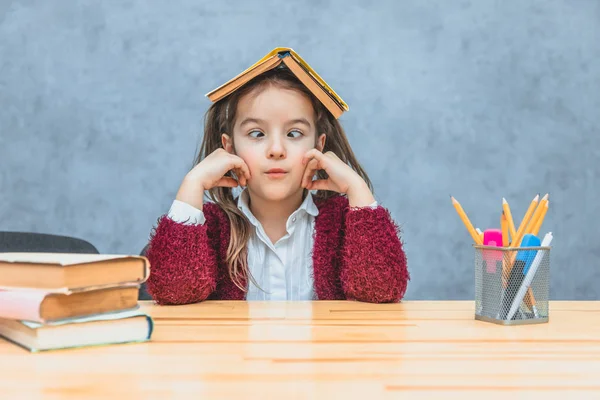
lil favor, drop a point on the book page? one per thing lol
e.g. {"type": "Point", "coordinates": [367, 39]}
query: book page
{"type": "Point", "coordinates": [58, 258]}
{"type": "Point", "coordinates": [130, 313]}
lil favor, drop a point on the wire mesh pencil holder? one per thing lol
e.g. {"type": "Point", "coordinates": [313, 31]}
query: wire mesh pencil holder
{"type": "Point", "coordinates": [512, 284]}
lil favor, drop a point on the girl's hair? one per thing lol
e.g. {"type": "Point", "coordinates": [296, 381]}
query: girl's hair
{"type": "Point", "coordinates": [220, 118]}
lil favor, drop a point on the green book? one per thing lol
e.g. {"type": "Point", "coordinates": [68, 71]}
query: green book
{"type": "Point", "coordinates": [103, 329]}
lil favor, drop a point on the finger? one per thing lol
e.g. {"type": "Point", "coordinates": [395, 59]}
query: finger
{"type": "Point", "coordinates": [237, 162]}
{"type": "Point", "coordinates": [312, 154]}
{"type": "Point", "coordinates": [245, 170]}
{"type": "Point", "coordinates": [241, 176]}
{"type": "Point", "coordinates": [309, 172]}
{"type": "Point", "coordinates": [320, 184]}
{"type": "Point", "coordinates": [234, 175]}
{"type": "Point", "coordinates": [331, 154]}
{"type": "Point", "coordinates": [226, 182]}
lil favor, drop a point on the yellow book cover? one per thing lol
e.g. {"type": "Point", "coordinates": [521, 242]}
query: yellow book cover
{"type": "Point", "coordinates": [272, 59]}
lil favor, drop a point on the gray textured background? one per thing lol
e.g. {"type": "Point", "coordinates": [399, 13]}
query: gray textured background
{"type": "Point", "coordinates": [101, 105]}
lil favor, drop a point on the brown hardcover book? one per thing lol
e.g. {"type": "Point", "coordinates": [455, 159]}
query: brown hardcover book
{"type": "Point", "coordinates": [40, 306]}
{"type": "Point", "coordinates": [65, 272]}
{"type": "Point", "coordinates": [298, 66]}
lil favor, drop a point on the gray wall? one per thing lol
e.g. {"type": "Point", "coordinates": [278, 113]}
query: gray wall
{"type": "Point", "coordinates": [101, 105]}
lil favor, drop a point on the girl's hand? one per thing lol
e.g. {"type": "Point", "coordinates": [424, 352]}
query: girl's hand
{"type": "Point", "coordinates": [210, 173]}
{"type": "Point", "coordinates": [341, 177]}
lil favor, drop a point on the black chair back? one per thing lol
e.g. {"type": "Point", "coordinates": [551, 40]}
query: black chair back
{"type": "Point", "coordinates": [29, 242]}
{"type": "Point", "coordinates": [144, 295]}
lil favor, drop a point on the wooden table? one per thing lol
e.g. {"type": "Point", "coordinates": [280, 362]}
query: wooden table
{"type": "Point", "coordinates": [330, 350]}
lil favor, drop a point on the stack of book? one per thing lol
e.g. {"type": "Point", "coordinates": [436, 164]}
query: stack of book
{"type": "Point", "coordinates": [57, 300]}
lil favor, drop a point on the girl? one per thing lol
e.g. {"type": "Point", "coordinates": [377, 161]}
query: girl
{"type": "Point", "coordinates": [277, 240]}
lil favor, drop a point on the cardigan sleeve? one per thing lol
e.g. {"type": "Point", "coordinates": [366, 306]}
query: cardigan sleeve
{"type": "Point", "coordinates": [374, 265]}
{"type": "Point", "coordinates": [183, 259]}
{"type": "Point", "coordinates": [186, 213]}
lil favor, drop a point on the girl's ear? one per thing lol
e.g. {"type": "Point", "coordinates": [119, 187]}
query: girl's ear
{"type": "Point", "coordinates": [227, 143]}
{"type": "Point", "coordinates": [321, 142]}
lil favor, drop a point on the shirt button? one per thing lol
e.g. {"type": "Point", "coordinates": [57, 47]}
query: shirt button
{"type": "Point", "coordinates": [294, 219]}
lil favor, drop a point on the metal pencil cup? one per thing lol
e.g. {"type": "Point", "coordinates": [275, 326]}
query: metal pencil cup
{"type": "Point", "coordinates": [512, 284]}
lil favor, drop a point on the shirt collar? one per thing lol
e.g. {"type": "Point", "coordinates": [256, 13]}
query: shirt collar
{"type": "Point", "coordinates": [308, 206]}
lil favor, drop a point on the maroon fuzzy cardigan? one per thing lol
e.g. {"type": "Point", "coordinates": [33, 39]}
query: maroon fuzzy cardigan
{"type": "Point", "coordinates": [357, 255]}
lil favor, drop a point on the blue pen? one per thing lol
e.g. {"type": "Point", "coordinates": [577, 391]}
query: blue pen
{"type": "Point", "coordinates": [529, 276]}
{"type": "Point", "coordinates": [527, 256]}
{"type": "Point", "coordinates": [519, 270]}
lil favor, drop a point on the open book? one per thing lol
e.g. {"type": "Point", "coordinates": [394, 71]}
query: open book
{"type": "Point", "coordinates": [66, 272]}
{"type": "Point", "coordinates": [298, 66]}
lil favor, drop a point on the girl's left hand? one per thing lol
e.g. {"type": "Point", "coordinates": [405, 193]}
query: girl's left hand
{"type": "Point", "coordinates": [341, 177]}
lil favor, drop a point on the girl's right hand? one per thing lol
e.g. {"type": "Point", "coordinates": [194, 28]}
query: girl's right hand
{"type": "Point", "coordinates": [210, 173]}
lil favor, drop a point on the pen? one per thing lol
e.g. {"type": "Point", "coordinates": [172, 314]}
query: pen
{"type": "Point", "coordinates": [537, 216]}
{"type": "Point", "coordinates": [529, 299]}
{"type": "Point", "coordinates": [520, 267]}
{"type": "Point", "coordinates": [529, 277]}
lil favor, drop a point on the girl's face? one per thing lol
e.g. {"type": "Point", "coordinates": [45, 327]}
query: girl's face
{"type": "Point", "coordinates": [272, 132]}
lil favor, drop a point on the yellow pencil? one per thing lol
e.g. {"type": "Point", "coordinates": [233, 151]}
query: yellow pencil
{"type": "Point", "coordinates": [465, 220]}
{"type": "Point", "coordinates": [504, 226]}
{"type": "Point", "coordinates": [505, 243]}
{"type": "Point", "coordinates": [509, 218]}
{"type": "Point", "coordinates": [529, 299]}
{"type": "Point", "coordinates": [479, 233]}
{"type": "Point", "coordinates": [538, 223]}
{"type": "Point", "coordinates": [516, 241]}
{"type": "Point", "coordinates": [536, 215]}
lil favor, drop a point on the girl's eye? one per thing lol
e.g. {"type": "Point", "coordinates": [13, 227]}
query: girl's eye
{"type": "Point", "coordinates": [295, 134]}
{"type": "Point", "coordinates": [256, 134]}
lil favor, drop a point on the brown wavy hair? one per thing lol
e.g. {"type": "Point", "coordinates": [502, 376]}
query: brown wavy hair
{"type": "Point", "coordinates": [220, 118]}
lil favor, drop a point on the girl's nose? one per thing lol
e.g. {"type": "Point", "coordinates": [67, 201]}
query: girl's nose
{"type": "Point", "coordinates": [276, 149]}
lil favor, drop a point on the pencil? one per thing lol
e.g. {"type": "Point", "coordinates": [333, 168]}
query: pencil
{"type": "Point", "coordinates": [465, 220]}
{"type": "Point", "coordinates": [509, 218]}
{"type": "Point", "coordinates": [479, 233]}
{"type": "Point", "coordinates": [536, 215]}
{"type": "Point", "coordinates": [540, 221]}
{"type": "Point", "coordinates": [505, 243]}
{"type": "Point", "coordinates": [516, 241]}
{"type": "Point", "coordinates": [504, 224]}
{"type": "Point", "coordinates": [529, 299]}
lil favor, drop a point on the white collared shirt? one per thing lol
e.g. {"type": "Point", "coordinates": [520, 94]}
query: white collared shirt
{"type": "Point", "coordinates": [283, 270]}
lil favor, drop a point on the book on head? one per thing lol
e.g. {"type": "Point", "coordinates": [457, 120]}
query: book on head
{"type": "Point", "coordinates": [304, 72]}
